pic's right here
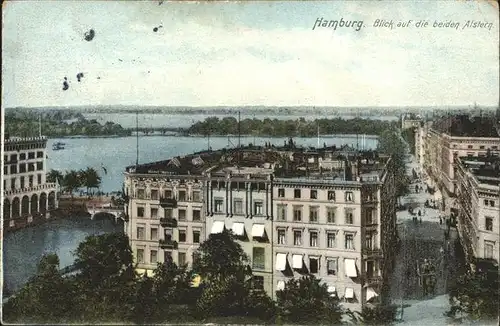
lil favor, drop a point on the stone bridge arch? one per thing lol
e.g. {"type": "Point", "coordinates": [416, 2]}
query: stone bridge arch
{"type": "Point", "coordinates": [6, 209]}
{"type": "Point", "coordinates": [34, 204]}
{"type": "Point", "coordinates": [16, 207]}
{"type": "Point", "coordinates": [43, 202]}
{"type": "Point", "coordinates": [25, 205]}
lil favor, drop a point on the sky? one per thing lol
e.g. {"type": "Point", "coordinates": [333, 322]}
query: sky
{"type": "Point", "coordinates": [248, 53]}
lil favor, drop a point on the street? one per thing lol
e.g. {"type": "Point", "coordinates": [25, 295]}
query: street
{"type": "Point", "coordinates": [422, 238]}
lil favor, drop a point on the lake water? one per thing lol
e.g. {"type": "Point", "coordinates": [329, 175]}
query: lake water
{"type": "Point", "coordinates": [23, 249]}
{"type": "Point", "coordinates": [114, 154]}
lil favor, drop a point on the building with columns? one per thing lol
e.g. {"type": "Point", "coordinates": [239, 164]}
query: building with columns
{"type": "Point", "coordinates": [295, 211]}
{"type": "Point", "coordinates": [27, 195]}
{"type": "Point", "coordinates": [478, 194]}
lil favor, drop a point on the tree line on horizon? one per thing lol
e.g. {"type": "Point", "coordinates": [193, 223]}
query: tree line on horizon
{"type": "Point", "coordinates": [290, 127]}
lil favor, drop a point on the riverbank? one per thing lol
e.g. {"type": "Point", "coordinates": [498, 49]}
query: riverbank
{"type": "Point", "coordinates": [68, 208]}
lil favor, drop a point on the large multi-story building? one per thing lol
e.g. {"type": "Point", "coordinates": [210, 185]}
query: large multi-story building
{"type": "Point", "coordinates": [27, 195]}
{"type": "Point", "coordinates": [478, 194]}
{"type": "Point", "coordinates": [456, 136]}
{"type": "Point", "coordinates": [294, 211]}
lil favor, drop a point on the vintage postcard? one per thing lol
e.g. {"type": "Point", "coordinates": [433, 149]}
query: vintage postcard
{"type": "Point", "coordinates": [250, 162]}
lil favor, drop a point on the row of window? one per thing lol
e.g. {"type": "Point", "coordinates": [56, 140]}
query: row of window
{"type": "Point", "coordinates": [182, 235]}
{"type": "Point", "coordinates": [23, 182]}
{"type": "Point", "coordinates": [258, 210]}
{"type": "Point", "coordinates": [153, 257]}
{"type": "Point", "coordinates": [23, 168]}
{"type": "Point", "coordinates": [330, 239]}
{"type": "Point", "coordinates": [169, 213]}
{"type": "Point", "coordinates": [313, 194]}
{"type": "Point", "coordinates": [490, 203]}
{"type": "Point", "coordinates": [22, 156]}
{"type": "Point", "coordinates": [179, 195]}
{"type": "Point", "coordinates": [480, 147]}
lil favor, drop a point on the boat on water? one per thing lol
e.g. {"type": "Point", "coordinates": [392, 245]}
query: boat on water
{"type": "Point", "coordinates": [58, 146]}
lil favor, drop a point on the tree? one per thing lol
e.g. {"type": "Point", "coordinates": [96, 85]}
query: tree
{"type": "Point", "coordinates": [390, 142]}
{"type": "Point", "coordinates": [307, 300]}
{"type": "Point", "coordinates": [171, 283]}
{"type": "Point", "coordinates": [100, 257]}
{"type": "Point", "coordinates": [379, 314]}
{"type": "Point", "coordinates": [72, 181]}
{"type": "Point", "coordinates": [476, 294]}
{"type": "Point", "coordinates": [90, 178]}
{"type": "Point", "coordinates": [106, 282]}
{"type": "Point", "coordinates": [54, 176]}
{"type": "Point", "coordinates": [223, 266]}
{"type": "Point", "coordinates": [220, 256]}
{"type": "Point", "coordinates": [46, 298]}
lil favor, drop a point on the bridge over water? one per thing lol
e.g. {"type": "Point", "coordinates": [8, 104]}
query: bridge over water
{"type": "Point", "coordinates": [99, 207]}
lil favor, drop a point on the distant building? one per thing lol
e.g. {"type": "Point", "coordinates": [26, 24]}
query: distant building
{"type": "Point", "coordinates": [295, 211]}
{"type": "Point", "coordinates": [456, 136]}
{"type": "Point", "coordinates": [410, 121]}
{"type": "Point", "coordinates": [27, 195]}
{"type": "Point", "coordinates": [478, 194]}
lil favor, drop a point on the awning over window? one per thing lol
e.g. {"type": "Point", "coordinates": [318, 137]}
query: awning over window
{"type": "Point", "coordinates": [280, 285]}
{"type": "Point", "coordinates": [298, 261]}
{"type": "Point", "coordinates": [217, 227]}
{"type": "Point", "coordinates": [280, 262]}
{"type": "Point", "coordinates": [239, 228]}
{"type": "Point", "coordinates": [349, 293]}
{"type": "Point", "coordinates": [258, 230]}
{"type": "Point", "coordinates": [350, 268]}
{"type": "Point", "coordinates": [370, 294]}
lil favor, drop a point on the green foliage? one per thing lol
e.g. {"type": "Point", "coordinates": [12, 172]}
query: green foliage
{"type": "Point", "coordinates": [259, 305]}
{"type": "Point", "coordinates": [379, 314]}
{"type": "Point", "coordinates": [409, 137]}
{"type": "Point", "coordinates": [391, 142]}
{"type": "Point", "coordinates": [171, 284]}
{"type": "Point", "coordinates": [221, 256]}
{"type": "Point", "coordinates": [71, 181]}
{"type": "Point", "coordinates": [45, 298]}
{"type": "Point", "coordinates": [104, 256]}
{"type": "Point", "coordinates": [306, 300]}
{"type": "Point", "coordinates": [54, 176]}
{"type": "Point", "coordinates": [289, 128]}
{"type": "Point", "coordinates": [222, 296]}
{"type": "Point", "coordinates": [89, 178]}
{"type": "Point", "coordinates": [58, 123]}
{"type": "Point", "coordinates": [475, 295]}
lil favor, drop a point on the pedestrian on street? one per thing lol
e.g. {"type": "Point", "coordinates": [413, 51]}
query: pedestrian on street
{"type": "Point", "coordinates": [440, 221]}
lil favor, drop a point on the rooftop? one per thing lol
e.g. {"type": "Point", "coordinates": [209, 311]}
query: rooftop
{"type": "Point", "coordinates": [466, 126]}
{"type": "Point", "coordinates": [326, 163]}
{"type": "Point", "coordinates": [485, 169]}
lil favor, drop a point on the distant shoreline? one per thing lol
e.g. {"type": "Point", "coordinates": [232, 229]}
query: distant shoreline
{"type": "Point", "coordinates": [212, 136]}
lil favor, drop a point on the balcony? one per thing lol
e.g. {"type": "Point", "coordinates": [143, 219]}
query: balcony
{"type": "Point", "coordinates": [168, 244]}
{"type": "Point", "coordinates": [168, 203]}
{"type": "Point", "coordinates": [372, 251]}
{"type": "Point", "coordinates": [168, 222]}
{"type": "Point", "coordinates": [373, 281]}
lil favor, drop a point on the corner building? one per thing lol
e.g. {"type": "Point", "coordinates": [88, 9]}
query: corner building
{"type": "Point", "coordinates": [295, 211]}
{"type": "Point", "coordinates": [27, 197]}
